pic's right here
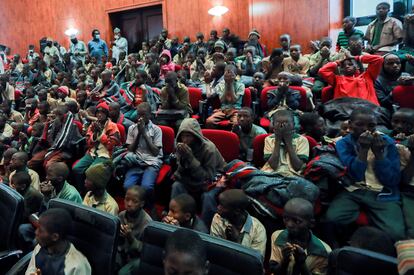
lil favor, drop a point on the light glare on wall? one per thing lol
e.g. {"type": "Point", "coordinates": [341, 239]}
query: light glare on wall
{"type": "Point", "coordinates": [71, 32]}
{"type": "Point", "coordinates": [218, 10]}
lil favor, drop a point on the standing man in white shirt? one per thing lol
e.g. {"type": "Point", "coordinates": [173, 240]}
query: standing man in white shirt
{"type": "Point", "coordinates": [119, 44]}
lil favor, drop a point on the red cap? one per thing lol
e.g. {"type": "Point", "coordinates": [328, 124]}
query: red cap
{"type": "Point", "coordinates": [64, 90]}
{"type": "Point", "coordinates": [103, 105]}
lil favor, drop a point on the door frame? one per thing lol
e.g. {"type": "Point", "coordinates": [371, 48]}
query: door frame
{"type": "Point", "coordinates": [133, 7]}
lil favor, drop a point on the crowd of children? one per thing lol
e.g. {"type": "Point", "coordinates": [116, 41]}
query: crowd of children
{"type": "Point", "coordinates": [81, 126]}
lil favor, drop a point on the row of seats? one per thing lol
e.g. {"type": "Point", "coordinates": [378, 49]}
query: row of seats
{"type": "Point", "coordinates": [95, 234]}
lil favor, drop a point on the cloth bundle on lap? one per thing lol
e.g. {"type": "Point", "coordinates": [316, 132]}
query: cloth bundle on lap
{"type": "Point", "coordinates": [271, 190]}
{"type": "Point", "coordinates": [339, 110]}
{"type": "Point", "coordinates": [326, 169]}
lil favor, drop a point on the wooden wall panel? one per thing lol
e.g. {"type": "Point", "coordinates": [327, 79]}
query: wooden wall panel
{"type": "Point", "coordinates": [303, 19]}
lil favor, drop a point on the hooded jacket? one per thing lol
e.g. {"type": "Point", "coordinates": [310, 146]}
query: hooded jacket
{"type": "Point", "coordinates": [194, 172]}
{"type": "Point", "coordinates": [169, 67]}
{"type": "Point", "coordinates": [384, 84]}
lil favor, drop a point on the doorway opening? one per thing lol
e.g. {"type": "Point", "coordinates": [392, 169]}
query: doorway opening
{"type": "Point", "coordinates": [138, 25]}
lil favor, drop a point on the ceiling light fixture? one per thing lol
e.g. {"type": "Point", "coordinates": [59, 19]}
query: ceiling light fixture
{"type": "Point", "coordinates": [71, 32]}
{"type": "Point", "coordinates": [218, 10]}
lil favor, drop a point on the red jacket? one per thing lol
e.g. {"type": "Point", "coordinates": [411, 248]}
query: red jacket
{"type": "Point", "coordinates": [358, 85]}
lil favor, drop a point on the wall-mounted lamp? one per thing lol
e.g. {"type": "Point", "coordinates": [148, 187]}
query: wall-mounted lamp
{"type": "Point", "coordinates": [71, 32]}
{"type": "Point", "coordinates": [218, 10]}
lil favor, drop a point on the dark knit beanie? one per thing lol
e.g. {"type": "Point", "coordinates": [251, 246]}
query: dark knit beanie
{"type": "Point", "coordinates": [100, 174]}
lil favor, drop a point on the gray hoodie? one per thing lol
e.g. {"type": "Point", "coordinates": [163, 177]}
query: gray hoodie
{"type": "Point", "coordinates": [194, 173]}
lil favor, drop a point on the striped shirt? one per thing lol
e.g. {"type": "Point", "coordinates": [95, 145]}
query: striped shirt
{"type": "Point", "coordinates": [343, 38]}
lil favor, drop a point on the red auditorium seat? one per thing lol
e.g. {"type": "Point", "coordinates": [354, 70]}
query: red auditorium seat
{"type": "Point", "coordinates": [404, 96]}
{"type": "Point", "coordinates": [226, 142]}
{"type": "Point", "coordinates": [258, 147]}
{"type": "Point", "coordinates": [195, 95]}
{"type": "Point", "coordinates": [167, 148]}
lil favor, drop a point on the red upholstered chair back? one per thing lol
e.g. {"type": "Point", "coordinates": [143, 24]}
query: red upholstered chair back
{"type": "Point", "coordinates": [168, 137]}
{"type": "Point", "coordinates": [263, 97]}
{"type": "Point", "coordinates": [404, 96]}
{"type": "Point", "coordinates": [247, 98]}
{"type": "Point", "coordinates": [195, 95]}
{"type": "Point", "coordinates": [226, 142]}
{"type": "Point", "coordinates": [258, 147]}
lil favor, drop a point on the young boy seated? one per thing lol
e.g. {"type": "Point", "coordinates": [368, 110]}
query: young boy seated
{"type": "Point", "coordinates": [283, 97]}
{"type": "Point", "coordinates": [54, 247]}
{"type": "Point", "coordinates": [248, 63]}
{"type": "Point", "coordinates": [198, 160]}
{"type": "Point", "coordinates": [373, 163]}
{"type": "Point", "coordinates": [403, 131]}
{"type": "Point", "coordinates": [185, 253]}
{"type": "Point", "coordinates": [373, 239]}
{"type": "Point", "coordinates": [174, 96]}
{"type": "Point", "coordinates": [32, 112]}
{"type": "Point", "coordinates": [296, 63]}
{"type": "Point", "coordinates": [183, 212]}
{"type": "Point", "coordinates": [32, 198]}
{"type": "Point", "coordinates": [296, 250]}
{"type": "Point", "coordinates": [352, 83]}
{"type": "Point", "coordinates": [18, 163]}
{"type": "Point", "coordinates": [102, 136]}
{"type": "Point", "coordinates": [134, 219]}
{"type": "Point", "coordinates": [97, 177]}
{"type": "Point", "coordinates": [246, 131]}
{"type": "Point", "coordinates": [348, 26]}
{"type": "Point", "coordinates": [313, 125]}
{"type": "Point", "coordinates": [232, 221]}
{"type": "Point", "coordinates": [285, 151]}
{"type": "Point", "coordinates": [144, 157]}
{"type": "Point", "coordinates": [230, 93]}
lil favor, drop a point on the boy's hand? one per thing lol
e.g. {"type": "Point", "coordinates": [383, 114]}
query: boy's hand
{"type": "Point", "coordinates": [236, 129]}
{"type": "Point", "coordinates": [378, 145]}
{"type": "Point", "coordinates": [287, 251]}
{"type": "Point", "coordinates": [287, 135]}
{"type": "Point", "coordinates": [410, 144]}
{"type": "Point", "coordinates": [46, 188]}
{"type": "Point", "coordinates": [222, 182]}
{"type": "Point", "coordinates": [170, 220]}
{"type": "Point", "coordinates": [299, 254]}
{"type": "Point", "coordinates": [365, 140]}
{"type": "Point", "coordinates": [232, 234]}
{"type": "Point", "coordinates": [410, 58]}
{"type": "Point", "coordinates": [184, 150]}
{"type": "Point", "coordinates": [141, 125]}
{"type": "Point", "coordinates": [325, 52]}
{"type": "Point", "coordinates": [278, 133]}
{"type": "Point", "coordinates": [400, 136]}
{"type": "Point", "coordinates": [126, 232]}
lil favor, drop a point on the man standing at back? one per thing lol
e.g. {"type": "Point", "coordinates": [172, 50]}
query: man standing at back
{"type": "Point", "coordinates": [97, 47]}
{"type": "Point", "coordinates": [384, 33]}
{"type": "Point", "coordinates": [119, 44]}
